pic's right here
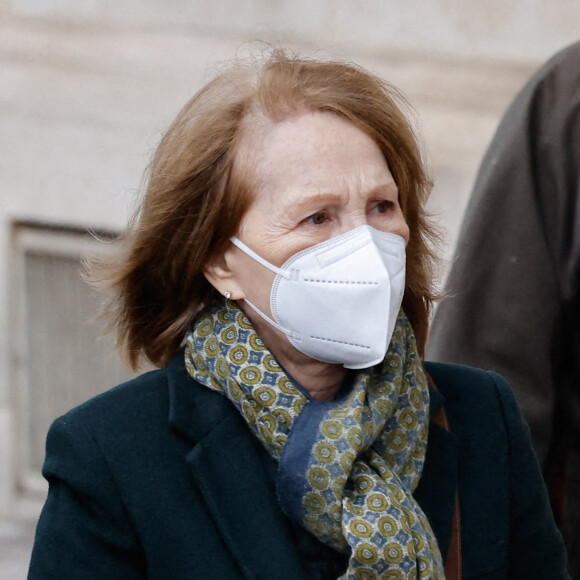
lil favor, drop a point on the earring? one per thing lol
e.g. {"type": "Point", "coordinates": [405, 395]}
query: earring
{"type": "Point", "coordinates": [228, 295]}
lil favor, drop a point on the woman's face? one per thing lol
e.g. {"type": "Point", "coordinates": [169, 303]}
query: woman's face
{"type": "Point", "coordinates": [317, 177]}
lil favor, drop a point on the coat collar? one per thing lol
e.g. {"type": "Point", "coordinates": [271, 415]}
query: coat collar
{"type": "Point", "coordinates": [227, 466]}
{"type": "Point", "coordinates": [193, 411]}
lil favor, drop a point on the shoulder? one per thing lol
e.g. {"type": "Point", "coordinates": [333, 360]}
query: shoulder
{"type": "Point", "coordinates": [133, 401]}
{"type": "Point", "coordinates": [563, 63]}
{"type": "Point", "coordinates": [466, 382]}
{"type": "Point", "coordinates": [119, 423]}
{"type": "Point", "coordinates": [495, 460]}
{"type": "Point", "coordinates": [116, 441]}
{"type": "Point", "coordinates": [474, 396]}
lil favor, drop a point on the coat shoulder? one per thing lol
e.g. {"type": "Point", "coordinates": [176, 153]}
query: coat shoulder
{"type": "Point", "coordinates": [134, 400]}
{"type": "Point", "coordinates": [460, 378]}
{"type": "Point", "coordinates": [496, 460]}
{"type": "Point", "coordinates": [470, 391]}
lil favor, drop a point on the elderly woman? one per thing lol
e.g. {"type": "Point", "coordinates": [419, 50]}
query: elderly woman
{"type": "Point", "coordinates": [278, 274]}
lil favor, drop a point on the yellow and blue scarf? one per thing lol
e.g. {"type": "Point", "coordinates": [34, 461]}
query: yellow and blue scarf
{"type": "Point", "coordinates": [347, 468]}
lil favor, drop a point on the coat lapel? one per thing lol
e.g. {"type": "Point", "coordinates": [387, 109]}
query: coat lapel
{"type": "Point", "coordinates": [438, 485]}
{"type": "Point", "coordinates": [227, 466]}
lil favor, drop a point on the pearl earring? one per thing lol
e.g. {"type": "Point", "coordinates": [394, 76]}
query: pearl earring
{"type": "Point", "coordinates": [228, 295]}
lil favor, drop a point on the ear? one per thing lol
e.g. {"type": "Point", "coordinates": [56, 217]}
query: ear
{"type": "Point", "coordinates": [220, 273]}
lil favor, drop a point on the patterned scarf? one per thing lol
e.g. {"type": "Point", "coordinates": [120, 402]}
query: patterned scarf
{"type": "Point", "coordinates": [348, 467]}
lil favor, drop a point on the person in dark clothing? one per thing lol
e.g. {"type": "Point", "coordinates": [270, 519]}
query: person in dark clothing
{"type": "Point", "coordinates": [514, 287]}
{"type": "Point", "coordinates": [279, 275]}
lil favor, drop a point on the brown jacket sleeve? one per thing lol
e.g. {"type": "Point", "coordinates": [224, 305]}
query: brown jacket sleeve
{"type": "Point", "coordinates": [514, 287]}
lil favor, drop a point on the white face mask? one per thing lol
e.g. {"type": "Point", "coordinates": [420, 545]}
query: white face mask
{"type": "Point", "coordinates": [338, 301]}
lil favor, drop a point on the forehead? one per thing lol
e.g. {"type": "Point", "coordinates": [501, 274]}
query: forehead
{"type": "Point", "coordinates": [309, 150]}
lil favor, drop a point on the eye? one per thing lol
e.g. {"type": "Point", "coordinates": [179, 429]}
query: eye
{"type": "Point", "coordinates": [383, 206]}
{"type": "Point", "coordinates": [317, 219]}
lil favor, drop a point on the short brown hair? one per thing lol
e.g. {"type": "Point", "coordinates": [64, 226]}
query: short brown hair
{"type": "Point", "coordinates": [196, 195]}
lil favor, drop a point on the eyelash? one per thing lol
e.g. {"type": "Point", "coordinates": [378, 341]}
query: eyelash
{"type": "Point", "coordinates": [386, 204]}
{"type": "Point", "coordinates": [382, 206]}
{"type": "Point", "coordinates": [313, 217]}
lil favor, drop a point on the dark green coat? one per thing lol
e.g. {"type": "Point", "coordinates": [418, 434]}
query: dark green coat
{"type": "Point", "coordinates": [160, 478]}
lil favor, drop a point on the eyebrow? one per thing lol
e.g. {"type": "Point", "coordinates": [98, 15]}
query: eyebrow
{"type": "Point", "coordinates": [321, 197]}
{"type": "Point", "coordinates": [293, 207]}
{"type": "Point", "coordinates": [330, 197]}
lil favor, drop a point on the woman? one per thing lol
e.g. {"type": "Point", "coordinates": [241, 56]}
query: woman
{"type": "Point", "coordinates": [287, 433]}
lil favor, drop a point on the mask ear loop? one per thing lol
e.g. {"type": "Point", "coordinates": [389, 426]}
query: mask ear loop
{"type": "Point", "coordinates": [272, 268]}
{"type": "Point", "coordinates": [258, 258]}
{"type": "Point", "coordinates": [270, 321]}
